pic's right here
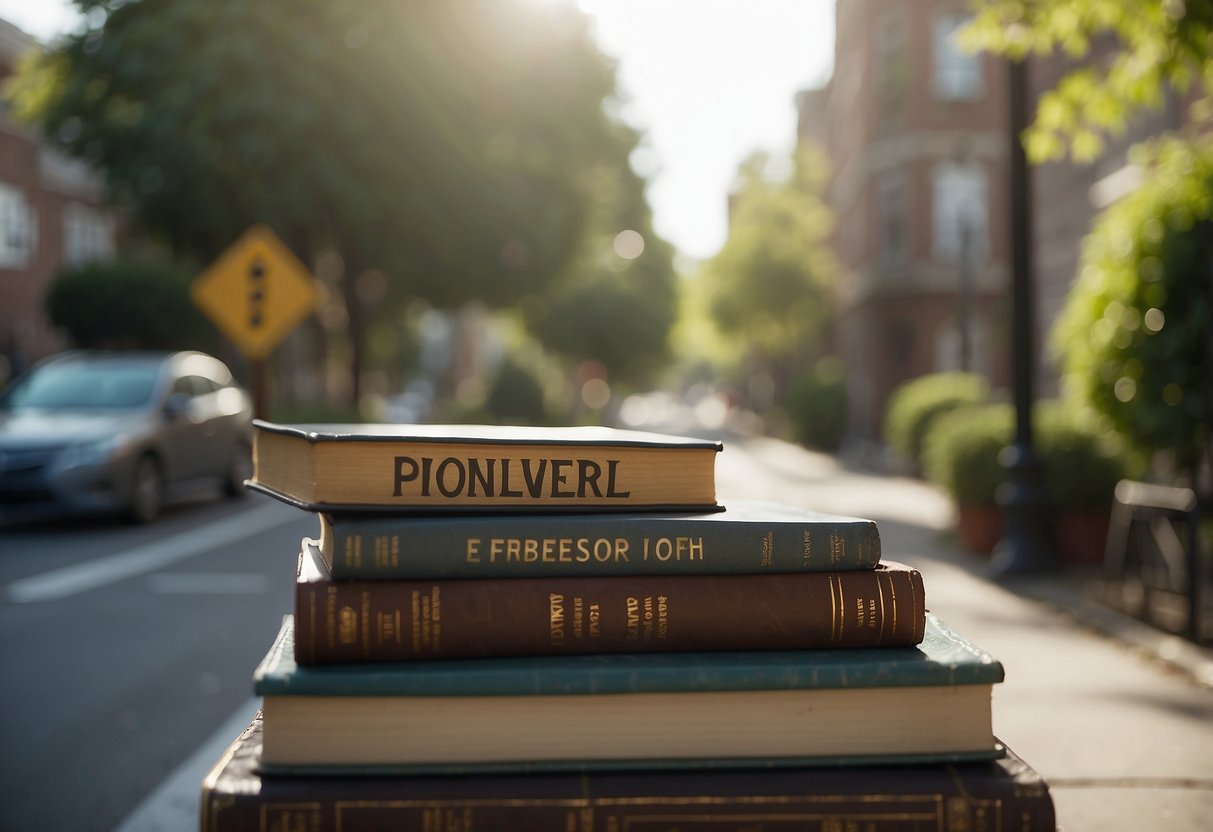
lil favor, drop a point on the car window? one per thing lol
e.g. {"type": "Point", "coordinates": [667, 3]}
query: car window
{"type": "Point", "coordinates": [84, 385]}
{"type": "Point", "coordinates": [194, 386]}
{"type": "Point", "coordinates": [205, 385]}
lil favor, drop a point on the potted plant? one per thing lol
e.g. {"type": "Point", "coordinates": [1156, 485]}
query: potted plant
{"type": "Point", "coordinates": [916, 405]}
{"type": "Point", "coordinates": [961, 456]}
{"type": "Point", "coordinates": [1081, 467]}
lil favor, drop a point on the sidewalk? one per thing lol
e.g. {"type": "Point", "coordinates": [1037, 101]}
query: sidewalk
{"type": "Point", "coordinates": [1117, 716]}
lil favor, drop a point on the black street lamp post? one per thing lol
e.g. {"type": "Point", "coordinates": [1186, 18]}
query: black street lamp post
{"type": "Point", "coordinates": [1024, 546]}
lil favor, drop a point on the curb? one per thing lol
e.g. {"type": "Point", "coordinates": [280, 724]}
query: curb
{"type": "Point", "coordinates": [1078, 598]}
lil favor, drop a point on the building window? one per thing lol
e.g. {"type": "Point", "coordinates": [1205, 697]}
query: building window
{"type": "Point", "coordinates": [960, 213]}
{"type": "Point", "coordinates": [88, 235]}
{"type": "Point", "coordinates": [18, 228]}
{"type": "Point", "coordinates": [893, 70]}
{"type": "Point", "coordinates": [894, 220]}
{"type": "Point", "coordinates": [957, 74]}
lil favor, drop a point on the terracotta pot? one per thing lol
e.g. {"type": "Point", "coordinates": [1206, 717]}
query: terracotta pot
{"type": "Point", "coordinates": [980, 526]}
{"type": "Point", "coordinates": [1080, 537]}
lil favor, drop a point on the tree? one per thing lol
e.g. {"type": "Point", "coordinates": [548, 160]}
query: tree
{"type": "Point", "coordinates": [127, 305]}
{"type": "Point", "coordinates": [772, 281]}
{"type": "Point", "coordinates": [1145, 46]}
{"type": "Point", "coordinates": [1134, 336]}
{"type": "Point", "coordinates": [444, 144]}
{"type": "Point", "coordinates": [620, 299]}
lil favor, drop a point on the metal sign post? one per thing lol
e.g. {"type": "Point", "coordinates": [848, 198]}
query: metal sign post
{"type": "Point", "coordinates": [256, 292]}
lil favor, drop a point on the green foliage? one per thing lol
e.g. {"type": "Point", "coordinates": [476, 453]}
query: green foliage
{"type": "Point", "coordinates": [1081, 464]}
{"type": "Point", "coordinates": [962, 448]}
{"type": "Point", "coordinates": [816, 405]}
{"type": "Point", "coordinates": [772, 281]}
{"type": "Point", "coordinates": [619, 301]}
{"type": "Point", "coordinates": [128, 305]}
{"type": "Point", "coordinates": [449, 145]}
{"type": "Point", "coordinates": [914, 406]}
{"type": "Point", "coordinates": [515, 396]}
{"type": "Point", "coordinates": [1132, 337]}
{"type": "Point", "coordinates": [1157, 44]}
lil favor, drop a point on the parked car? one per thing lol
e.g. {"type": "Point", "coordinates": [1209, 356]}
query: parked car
{"type": "Point", "coordinates": [96, 432]}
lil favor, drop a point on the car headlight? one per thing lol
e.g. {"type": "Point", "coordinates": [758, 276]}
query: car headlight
{"type": "Point", "coordinates": [90, 453]}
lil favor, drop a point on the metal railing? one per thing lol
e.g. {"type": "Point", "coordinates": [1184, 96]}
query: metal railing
{"type": "Point", "coordinates": [1155, 566]}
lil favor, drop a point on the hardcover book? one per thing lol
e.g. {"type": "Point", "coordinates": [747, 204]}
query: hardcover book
{"type": "Point", "coordinates": [408, 620]}
{"type": "Point", "coordinates": [999, 794]}
{"type": "Point", "coordinates": [393, 467]}
{"type": "Point", "coordinates": [747, 537]}
{"type": "Point", "coordinates": [765, 708]}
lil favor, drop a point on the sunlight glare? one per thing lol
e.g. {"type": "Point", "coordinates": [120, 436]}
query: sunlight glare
{"type": "Point", "coordinates": [629, 244]}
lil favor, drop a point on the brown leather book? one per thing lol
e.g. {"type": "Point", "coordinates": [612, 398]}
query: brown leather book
{"type": "Point", "coordinates": [361, 621]}
{"type": "Point", "coordinates": [1004, 793]}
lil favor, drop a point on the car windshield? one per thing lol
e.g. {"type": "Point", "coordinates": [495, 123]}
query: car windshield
{"type": "Point", "coordinates": [82, 385]}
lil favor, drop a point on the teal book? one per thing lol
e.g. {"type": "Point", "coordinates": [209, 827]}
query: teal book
{"type": "Point", "coordinates": [624, 711]}
{"type": "Point", "coordinates": [747, 537]}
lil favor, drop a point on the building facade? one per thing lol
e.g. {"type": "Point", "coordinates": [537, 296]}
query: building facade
{"type": "Point", "coordinates": [917, 137]}
{"type": "Point", "coordinates": [50, 217]}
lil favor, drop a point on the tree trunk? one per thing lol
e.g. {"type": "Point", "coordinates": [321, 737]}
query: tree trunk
{"type": "Point", "coordinates": [356, 332]}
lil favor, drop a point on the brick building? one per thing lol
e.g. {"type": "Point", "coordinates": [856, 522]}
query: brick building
{"type": "Point", "coordinates": [50, 216]}
{"type": "Point", "coordinates": [918, 139]}
{"type": "Point", "coordinates": [916, 133]}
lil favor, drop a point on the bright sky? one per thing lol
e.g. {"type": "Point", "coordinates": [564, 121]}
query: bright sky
{"type": "Point", "coordinates": [709, 82]}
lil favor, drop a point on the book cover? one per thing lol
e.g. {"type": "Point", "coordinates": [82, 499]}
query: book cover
{"type": "Point", "coordinates": [403, 620]}
{"type": "Point", "coordinates": [832, 706]}
{"type": "Point", "coordinates": [477, 468]}
{"type": "Point", "coordinates": [1004, 793]}
{"type": "Point", "coordinates": [747, 537]}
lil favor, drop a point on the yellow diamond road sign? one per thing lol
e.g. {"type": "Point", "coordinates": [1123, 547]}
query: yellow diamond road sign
{"type": "Point", "coordinates": [256, 292]}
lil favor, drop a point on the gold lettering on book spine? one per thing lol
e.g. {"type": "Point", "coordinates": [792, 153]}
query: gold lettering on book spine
{"type": "Point", "coordinates": [290, 817]}
{"type": "Point", "coordinates": [837, 613]}
{"type": "Point", "coordinates": [892, 604]}
{"type": "Point", "coordinates": [353, 551]}
{"type": "Point", "coordinates": [436, 618]}
{"type": "Point", "coordinates": [415, 621]}
{"type": "Point", "coordinates": [556, 618]}
{"type": "Point", "coordinates": [837, 548]}
{"type": "Point", "coordinates": [364, 624]}
{"type": "Point", "coordinates": [330, 614]}
{"type": "Point", "coordinates": [347, 625]}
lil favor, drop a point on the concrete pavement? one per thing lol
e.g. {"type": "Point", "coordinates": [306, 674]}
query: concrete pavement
{"type": "Point", "coordinates": [1116, 716]}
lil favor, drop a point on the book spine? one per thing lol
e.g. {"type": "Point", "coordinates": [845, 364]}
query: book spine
{"type": "Point", "coordinates": [510, 546]}
{"type": "Point", "coordinates": [946, 811]}
{"type": "Point", "coordinates": [359, 621]}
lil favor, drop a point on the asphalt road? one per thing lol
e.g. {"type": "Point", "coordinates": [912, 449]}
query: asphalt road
{"type": "Point", "coordinates": [122, 648]}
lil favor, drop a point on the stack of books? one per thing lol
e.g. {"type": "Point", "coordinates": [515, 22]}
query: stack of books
{"type": "Point", "coordinates": [512, 628]}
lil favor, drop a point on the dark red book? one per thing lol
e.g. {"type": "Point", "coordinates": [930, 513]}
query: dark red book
{"type": "Point", "coordinates": [407, 620]}
{"type": "Point", "coordinates": [996, 794]}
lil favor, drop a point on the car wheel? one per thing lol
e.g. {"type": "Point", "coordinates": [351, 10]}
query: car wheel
{"type": "Point", "coordinates": [239, 469]}
{"type": "Point", "coordinates": [147, 491]}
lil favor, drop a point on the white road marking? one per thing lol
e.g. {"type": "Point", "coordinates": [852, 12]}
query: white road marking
{"type": "Point", "coordinates": [175, 803]}
{"type": "Point", "coordinates": [81, 577]}
{"type": "Point", "coordinates": [208, 583]}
